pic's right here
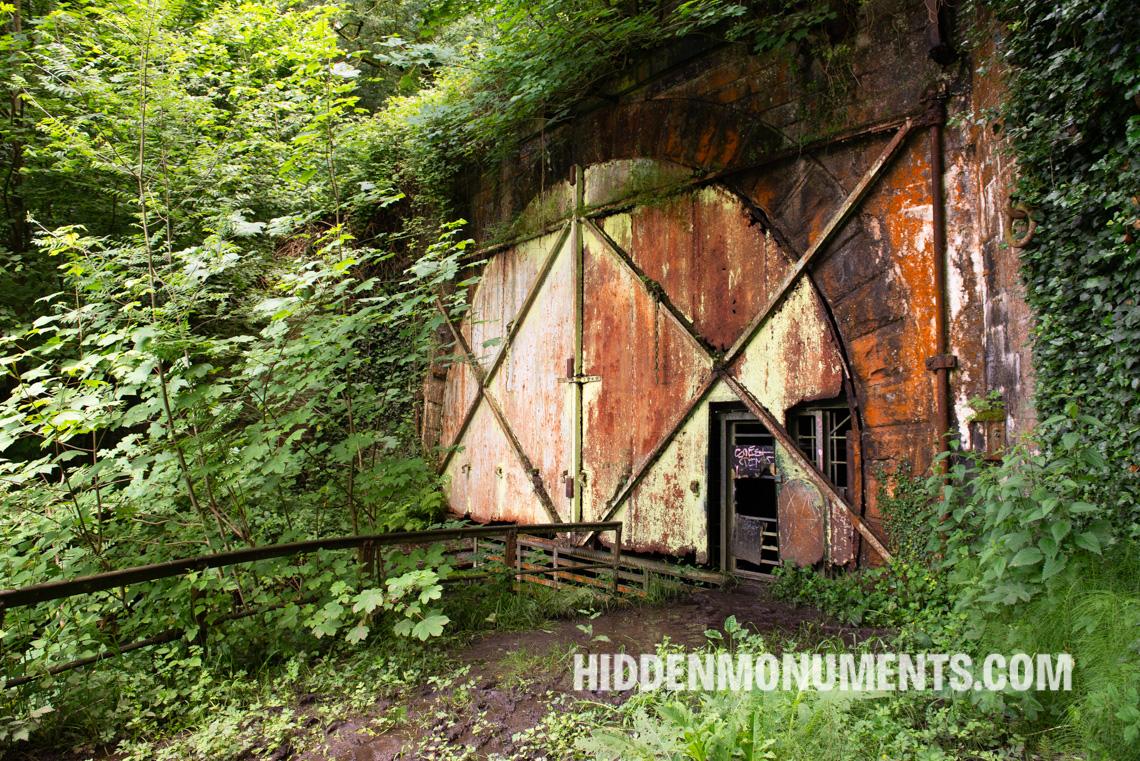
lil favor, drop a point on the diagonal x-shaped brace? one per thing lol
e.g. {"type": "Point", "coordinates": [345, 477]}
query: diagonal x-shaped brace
{"type": "Point", "coordinates": [791, 279]}
{"type": "Point", "coordinates": [496, 410]}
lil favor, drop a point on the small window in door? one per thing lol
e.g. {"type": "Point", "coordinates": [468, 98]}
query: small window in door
{"type": "Point", "coordinates": [821, 433]}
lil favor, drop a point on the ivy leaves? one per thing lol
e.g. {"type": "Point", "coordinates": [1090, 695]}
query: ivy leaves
{"type": "Point", "coordinates": [1015, 528]}
{"type": "Point", "coordinates": [1071, 114]}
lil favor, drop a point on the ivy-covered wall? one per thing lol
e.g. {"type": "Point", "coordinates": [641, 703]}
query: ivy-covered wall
{"type": "Point", "coordinates": [1072, 117]}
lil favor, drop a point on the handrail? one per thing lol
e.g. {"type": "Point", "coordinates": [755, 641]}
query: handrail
{"type": "Point", "coordinates": [56, 590]}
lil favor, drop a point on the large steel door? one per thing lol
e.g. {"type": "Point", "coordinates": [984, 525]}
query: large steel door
{"type": "Point", "coordinates": [594, 354]}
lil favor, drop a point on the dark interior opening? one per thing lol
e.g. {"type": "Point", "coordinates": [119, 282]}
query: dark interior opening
{"type": "Point", "coordinates": [742, 507]}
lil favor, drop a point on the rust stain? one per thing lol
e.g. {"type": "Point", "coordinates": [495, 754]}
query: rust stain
{"type": "Point", "coordinates": [840, 537]}
{"type": "Point", "coordinates": [895, 355]}
{"type": "Point", "coordinates": [527, 386]}
{"type": "Point", "coordinates": [665, 513]}
{"type": "Point", "coordinates": [648, 368]}
{"type": "Point", "coordinates": [459, 392]}
{"type": "Point", "coordinates": [504, 284]}
{"type": "Point", "coordinates": [703, 251]}
{"type": "Point", "coordinates": [794, 358]}
{"type": "Point", "coordinates": [485, 480]}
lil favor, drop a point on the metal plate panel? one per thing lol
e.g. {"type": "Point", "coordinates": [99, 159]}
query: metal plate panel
{"type": "Point", "coordinates": [801, 523]}
{"type": "Point", "coordinates": [503, 286]}
{"type": "Point", "coordinates": [840, 536]}
{"type": "Point", "coordinates": [528, 384]}
{"type": "Point", "coordinates": [459, 392]}
{"type": "Point", "coordinates": [748, 538]}
{"type": "Point", "coordinates": [485, 479]}
{"type": "Point", "coordinates": [666, 512]}
{"type": "Point", "coordinates": [649, 369]}
{"type": "Point", "coordinates": [704, 251]}
{"type": "Point", "coordinates": [793, 358]}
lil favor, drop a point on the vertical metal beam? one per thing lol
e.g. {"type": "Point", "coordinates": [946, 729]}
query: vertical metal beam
{"type": "Point", "coordinates": [615, 559]}
{"type": "Point", "coordinates": [942, 362]}
{"type": "Point", "coordinates": [577, 474]}
{"type": "Point", "coordinates": [511, 553]}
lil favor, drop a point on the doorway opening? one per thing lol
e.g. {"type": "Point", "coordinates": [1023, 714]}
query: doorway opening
{"type": "Point", "coordinates": [743, 513]}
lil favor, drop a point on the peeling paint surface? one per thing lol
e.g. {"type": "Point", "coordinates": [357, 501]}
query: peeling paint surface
{"type": "Point", "coordinates": [705, 252]}
{"type": "Point", "coordinates": [530, 387]}
{"type": "Point", "coordinates": [485, 479]}
{"type": "Point", "coordinates": [793, 358]}
{"type": "Point", "coordinates": [642, 372]}
{"type": "Point", "coordinates": [684, 115]}
{"type": "Point", "coordinates": [503, 286]}
{"type": "Point", "coordinates": [459, 393]}
{"type": "Point", "coordinates": [801, 523]}
{"type": "Point", "coordinates": [649, 372]}
{"type": "Point", "coordinates": [667, 511]}
{"type": "Point", "coordinates": [840, 535]}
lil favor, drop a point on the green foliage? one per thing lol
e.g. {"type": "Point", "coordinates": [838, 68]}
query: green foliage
{"type": "Point", "coordinates": [529, 65]}
{"type": "Point", "coordinates": [223, 364]}
{"type": "Point", "coordinates": [900, 595]}
{"type": "Point", "coordinates": [1071, 117]}
{"type": "Point", "coordinates": [990, 407]}
{"type": "Point", "coordinates": [908, 509]}
{"type": "Point", "coordinates": [790, 724]}
{"type": "Point", "coordinates": [1035, 554]}
{"type": "Point", "coordinates": [1092, 611]}
{"type": "Point", "coordinates": [1010, 530]}
{"type": "Point", "coordinates": [1041, 554]}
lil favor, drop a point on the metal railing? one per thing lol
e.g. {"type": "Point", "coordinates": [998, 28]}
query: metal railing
{"type": "Point", "coordinates": [509, 534]}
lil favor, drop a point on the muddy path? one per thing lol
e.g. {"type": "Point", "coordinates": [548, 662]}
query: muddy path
{"type": "Point", "coordinates": [507, 682]}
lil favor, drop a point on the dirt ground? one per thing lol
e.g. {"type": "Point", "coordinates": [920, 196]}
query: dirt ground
{"type": "Point", "coordinates": [513, 679]}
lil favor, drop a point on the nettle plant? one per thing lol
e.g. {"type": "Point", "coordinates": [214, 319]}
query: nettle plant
{"type": "Point", "coordinates": [1006, 532]}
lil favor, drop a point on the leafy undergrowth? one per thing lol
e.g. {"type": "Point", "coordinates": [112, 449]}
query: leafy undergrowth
{"type": "Point", "coordinates": [794, 724]}
{"type": "Point", "coordinates": [260, 695]}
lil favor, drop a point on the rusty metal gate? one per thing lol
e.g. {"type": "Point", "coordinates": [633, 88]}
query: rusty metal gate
{"type": "Point", "coordinates": [593, 356]}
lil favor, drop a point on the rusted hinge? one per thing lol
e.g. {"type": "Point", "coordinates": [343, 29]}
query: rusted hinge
{"type": "Point", "coordinates": [941, 362]}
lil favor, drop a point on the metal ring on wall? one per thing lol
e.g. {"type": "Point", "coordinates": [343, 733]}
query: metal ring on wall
{"type": "Point", "coordinates": [1020, 211]}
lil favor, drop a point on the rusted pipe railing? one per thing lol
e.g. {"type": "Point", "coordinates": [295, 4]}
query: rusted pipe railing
{"type": "Point", "coordinates": [58, 590]}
